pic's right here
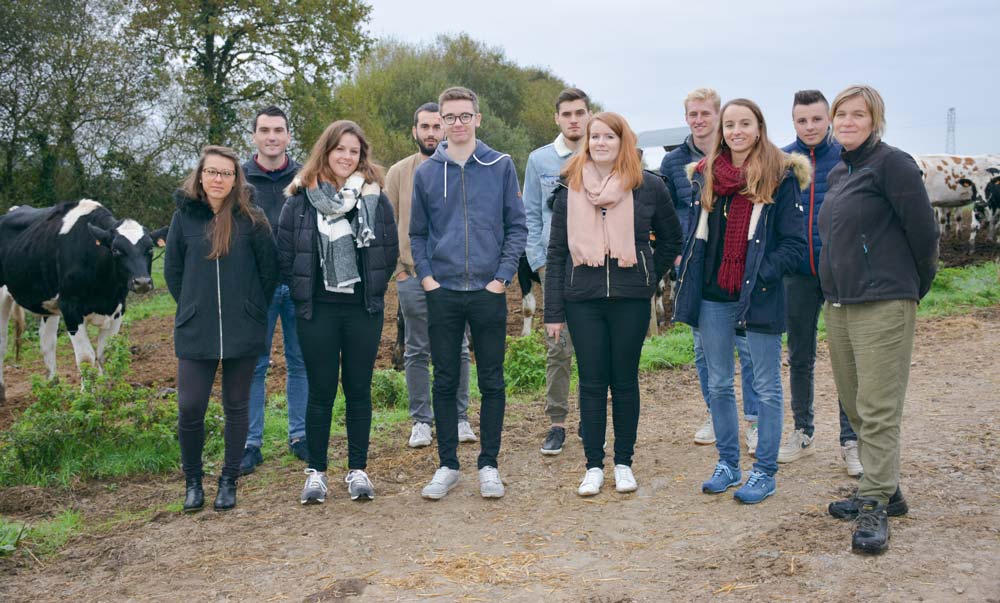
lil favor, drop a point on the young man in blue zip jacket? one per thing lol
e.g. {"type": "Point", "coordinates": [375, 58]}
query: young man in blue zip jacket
{"type": "Point", "coordinates": [270, 170]}
{"type": "Point", "coordinates": [803, 294]}
{"type": "Point", "coordinates": [540, 179]}
{"type": "Point", "coordinates": [467, 233]}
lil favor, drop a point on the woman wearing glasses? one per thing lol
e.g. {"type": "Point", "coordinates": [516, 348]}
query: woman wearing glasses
{"type": "Point", "coordinates": [601, 274]}
{"type": "Point", "coordinates": [337, 249]}
{"type": "Point", "coordinates": [221, 269]}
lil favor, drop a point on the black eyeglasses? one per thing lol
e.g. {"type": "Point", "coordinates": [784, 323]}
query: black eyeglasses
{"type": "Point", "coordinates": [462, 117]}
{"type": "Point", "coordinates": [214, 173]}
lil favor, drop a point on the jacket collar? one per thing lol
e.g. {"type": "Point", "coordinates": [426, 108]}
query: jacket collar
{"type": "Point", "coordinates": [821, 148]}
{"type": "Point", "coordinates": [559, 144]}
{"type": "Point", "coordinates": [862, 152]}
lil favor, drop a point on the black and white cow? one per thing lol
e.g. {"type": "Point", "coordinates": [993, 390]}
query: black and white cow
{"type": "Point", "coordinates": [73, 260]}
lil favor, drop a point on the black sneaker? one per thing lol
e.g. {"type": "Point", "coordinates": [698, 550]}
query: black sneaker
{"type": "Point", "coordinates": [299, 449]}
{"type": "Point", "coordinates": [849, 507]}
{"type": "Point", "coordinates": [871, 528]}
{"type": "Point", "coordinates": [554, 441]}
{"type": "Point", "coordinates": [251, 458]}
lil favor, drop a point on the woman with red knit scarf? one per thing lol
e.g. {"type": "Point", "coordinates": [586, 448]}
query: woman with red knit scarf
{"type": "Point", "coordinates": [748, 236]}
{"type": "Point", "coordinates": [601, 272]}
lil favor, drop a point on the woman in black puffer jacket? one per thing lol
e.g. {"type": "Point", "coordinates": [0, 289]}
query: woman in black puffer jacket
{"type": "Point", "coordinates": [337, 249]}
{"type": "Point", "coordinates": [221, 269]}
{"type": "Point", "coordinates": [601, 274]}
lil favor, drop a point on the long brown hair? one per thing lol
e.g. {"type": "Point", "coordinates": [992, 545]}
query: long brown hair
{"type": "Point", "coordinates": [220, 230]}
{"type": "Point", "coordinates": [628, 165]}
{"type": "Point", "coordinates": [764, 166]}
{"type": "Point", "coordinates": [318, 167]}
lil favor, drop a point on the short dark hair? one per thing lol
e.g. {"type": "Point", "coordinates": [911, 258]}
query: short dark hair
{"type": "Point", "coordinates": [425, 108]}
{"type": "Point", "coordinates": [808, 97]}
{"type": "Point", "coordinates": [572, 94]}
{"type": "Point", "coordinates": [271, 111]}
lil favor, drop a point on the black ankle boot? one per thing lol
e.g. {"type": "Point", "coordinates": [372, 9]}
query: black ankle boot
{"type": "Point", "coordinates": [194, 495]}
{"type": "Point", "coordinates": [226, 498]}
{"type": "Point", "coordinates": [871, 528]}
{"type": "Point", "coordinates": [848, 508]}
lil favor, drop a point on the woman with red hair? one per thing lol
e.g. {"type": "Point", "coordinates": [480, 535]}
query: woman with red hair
{"type": "Point", "coordinates": [600, 275]}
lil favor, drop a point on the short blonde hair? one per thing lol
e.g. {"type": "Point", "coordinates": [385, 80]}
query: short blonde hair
{"type": "Point", "coordinates": [703, 94]}
{"type": "Point", "coordinates": [873, 100]}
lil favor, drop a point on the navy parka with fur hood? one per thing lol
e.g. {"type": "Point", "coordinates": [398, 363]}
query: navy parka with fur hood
{"type": "Point", "coordinates": [774, 250]}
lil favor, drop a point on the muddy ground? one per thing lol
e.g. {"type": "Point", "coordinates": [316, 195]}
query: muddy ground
{"type": "Point", "coordinates": [666, 542]}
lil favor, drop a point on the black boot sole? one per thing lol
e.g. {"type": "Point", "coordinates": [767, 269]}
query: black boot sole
{"type": "Point", "coordinates": [193, 509]}
{"type": "Point", "coordinates": [870, 549]}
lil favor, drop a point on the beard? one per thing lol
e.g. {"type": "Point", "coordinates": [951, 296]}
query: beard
{"type": "Point", "coordinates": [425, 150]}
{"type": "Point", "coordinates": [572, 139]}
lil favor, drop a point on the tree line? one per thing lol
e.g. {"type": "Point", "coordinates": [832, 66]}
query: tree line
{"type": "Point", "coordinates": [112, 99]}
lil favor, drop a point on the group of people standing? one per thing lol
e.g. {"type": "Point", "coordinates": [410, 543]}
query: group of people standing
{"type": "Point", "coordinates": [760, 239]}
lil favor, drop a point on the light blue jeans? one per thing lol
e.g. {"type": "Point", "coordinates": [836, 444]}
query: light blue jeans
{"type": "Point", "coordinates": [717, 324]}
{"type": "Point", "coordinates": [296, 386]}
{"type": "Point", "coordinates": [751, 401]}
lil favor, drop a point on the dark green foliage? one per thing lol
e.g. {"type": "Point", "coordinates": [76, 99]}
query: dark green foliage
{"type": "Point", "coordinates": [524, 364]}
{"type": "Point", "coordinates": [389, 390]}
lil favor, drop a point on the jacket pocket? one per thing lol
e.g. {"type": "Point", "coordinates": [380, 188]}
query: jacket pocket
{"type": "Point", "coordinates": [184, 314]}
{"type": "Point", "coordinates": [254, 312]}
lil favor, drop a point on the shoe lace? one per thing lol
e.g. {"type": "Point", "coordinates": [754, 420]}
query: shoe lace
{"type": "Point", "coordinates": [441, 475]}
{"type": "Point", "coordinates": [868, 521]}
{"type": "Point", "coordinates": [315, 480]}
{"type": "Point", "coordinates": [490, 475]}
{"type": "Point", "coordinates": [721, 468]}
{"type": "Point", "coordinates": [356, 476]}
{"type": "Point", "coordinates": [755, 477]}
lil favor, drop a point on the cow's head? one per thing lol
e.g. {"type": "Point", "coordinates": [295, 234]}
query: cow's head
{"type": "Point", "coordinates": [132, 250]}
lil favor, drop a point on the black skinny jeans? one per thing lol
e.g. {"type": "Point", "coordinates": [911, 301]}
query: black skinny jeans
{"type": "Point", "coordinates": [339, 337]}
{"type": "Point", "coordinates": [608, 336]}
{"type": "Point", "coordinates": [803, 302]}
{"type": "Point", "coordinates": [194, 385]}
{"type": "Point", "coordinates": [486, 314]}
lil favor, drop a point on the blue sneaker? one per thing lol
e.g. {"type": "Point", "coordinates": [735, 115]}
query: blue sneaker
{"type": "Point", "coordinates": [723, 478]}
{"type": "Point", "coordinates": [758, 487]}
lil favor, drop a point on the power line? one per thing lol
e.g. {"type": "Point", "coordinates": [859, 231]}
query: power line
{"type": "Point", "coordinates": [949, 139]}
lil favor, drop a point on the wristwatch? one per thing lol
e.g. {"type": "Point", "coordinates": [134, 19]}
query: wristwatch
{"type": "Point", "coordinates": [503, 282]}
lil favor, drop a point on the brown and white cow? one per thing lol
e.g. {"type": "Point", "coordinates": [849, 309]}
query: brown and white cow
{"type": "Point", "coordinates": [954, 182]}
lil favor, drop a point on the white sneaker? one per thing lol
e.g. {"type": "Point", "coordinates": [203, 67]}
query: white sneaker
{"type": "Point", "coordinates": [315, 491]}
{"type": "Point", "coordinates": [490, 485]}
{"type": "Point", "coordinates": [465, 433]}
{"type": "Point", "coordinates": [420, 436]}
{"type": "Point", "coordinates": [705, 433]}
{"type": "Point", "coordinates": [359, 485]}
{"type": "Point", "coordinates": [849, 452]}
{"type": "Point", "coordinates": [593, 479]}
{"type": "Point", "coordinates": [751, 438]}
{"type": "Point", "coordinates": [443, 481]}
{"type": "Point", "coordinates": [624, 479]}
{"type": "Point", "coordinates": [798, 446]}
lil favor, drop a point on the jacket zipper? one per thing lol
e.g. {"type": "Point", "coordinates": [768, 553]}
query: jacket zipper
{"type": "Point", "coordinates": [218, 293]}
{"type": "Point", "coordinates": [812, 205]}
{"type": "Point", "coordinates": [742, 322]}
{"type": "Point", "coordinates": [644, 268]}
{"type": "Point", "coordinates": [572, 273]}
{"type": "Point", "coordinates": [465, 205]}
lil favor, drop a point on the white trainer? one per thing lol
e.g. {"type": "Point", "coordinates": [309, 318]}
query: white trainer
{"type": "Point", "coordinates": [624, 479]}
{"type": "Point", "coordinates": [849, 452]}
{"type": "Point", "coordinates": [490, 485]}
{"type": "Point", "coordinates": [751, 437]}
{"type": "Point", "coordinates": [465, 433]}
{"type": "Point", "coordinates": [443, 481]}
{"type": "Point", "coordinates": [359, 485]}
{"type": "Point", "coordinates": [420, 435]}
{"type": "Point", "coordinates": [798, 446]}
{"type": "Point", "coordinates": [593, 479]}
{"type": "Point", "coordinates": [705, 433]}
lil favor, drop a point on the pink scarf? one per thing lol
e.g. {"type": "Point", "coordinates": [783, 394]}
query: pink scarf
{"type": "Point", "coordinates": [593, 236]}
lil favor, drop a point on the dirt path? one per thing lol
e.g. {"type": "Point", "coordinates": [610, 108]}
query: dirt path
{"type": "Point", "coordinates": [667, 542]}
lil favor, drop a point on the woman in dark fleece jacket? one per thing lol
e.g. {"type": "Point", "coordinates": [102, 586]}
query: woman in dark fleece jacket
{"type": "Point", "coordinates": [337, 249]}
{"type": "Point", "coordinates": [748, 235]}
{"type": "Point", "coordinates": [879, 257]}
{"type": "Point", "coordinates": [221, 269]}
{"type": "Point", "coordinates": [601, 274]}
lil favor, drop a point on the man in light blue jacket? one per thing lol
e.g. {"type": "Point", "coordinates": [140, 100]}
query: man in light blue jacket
{"type": "Point", "coordinates": [467, 233]}
{"type": "Point", "coordinates": [540, 178]}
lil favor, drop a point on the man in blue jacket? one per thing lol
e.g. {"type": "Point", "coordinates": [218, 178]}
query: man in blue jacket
{"type": "Point", "coordinates": [540, 178]}
{"type": "Point", "coordinates": [803, 295]}
{"type": "Point", "coordinates": [467, 233]}
{"type": "Point", "coordinates": [270, 170]}
{"type": "Point", "coordinates": [701, 112]}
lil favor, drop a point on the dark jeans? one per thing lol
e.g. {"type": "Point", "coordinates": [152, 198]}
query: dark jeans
{"type": "Point", "coordinates": [486, 314]}
{"type": "Point", "coordinates": [194, 385]}
{"type": "Point", "coordinates": [803, 302]}
{"type": "Point", "coordinates": [608, 336]}
{"type": "Point", "coordinates": [340, 338]}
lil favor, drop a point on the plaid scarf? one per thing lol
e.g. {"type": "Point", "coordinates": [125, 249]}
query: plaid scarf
{"type": "Point", "coordinates": [338, 237]}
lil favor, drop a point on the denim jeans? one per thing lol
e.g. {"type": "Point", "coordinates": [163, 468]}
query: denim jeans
{"type": "Point", "coordinates": [296, 382]}
{"type": "Point", "coordinates": [417, 355]}
{"type": "Point", "coordinates": [803, 301]}
{"type": "Point", "coordinates": [718, 334]}
{"type": "Point", "coordinates": [751, 400]}
{"type": "Point", "coordinates": [486, 314]}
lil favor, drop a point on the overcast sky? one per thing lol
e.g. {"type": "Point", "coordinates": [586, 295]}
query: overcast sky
{"type": "Point", "coordinates": [640, 58]}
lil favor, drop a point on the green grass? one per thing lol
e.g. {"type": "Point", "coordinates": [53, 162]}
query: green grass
{"type": "Point", "coordinates": [43, 537]}
{"type": "Point", "coordinates": [962, 290]}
